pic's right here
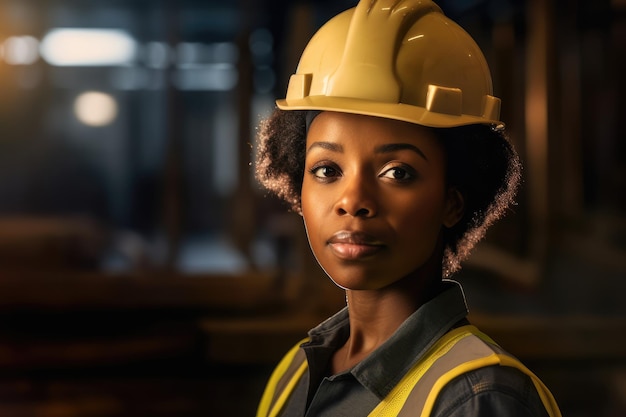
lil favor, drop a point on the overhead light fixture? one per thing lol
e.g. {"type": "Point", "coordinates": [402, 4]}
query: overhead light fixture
{"type": "Point", "coordinates": [88, 47]}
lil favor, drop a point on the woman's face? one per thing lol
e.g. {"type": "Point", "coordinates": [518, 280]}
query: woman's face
{"type": "Point", "coordinates": [374, 198]}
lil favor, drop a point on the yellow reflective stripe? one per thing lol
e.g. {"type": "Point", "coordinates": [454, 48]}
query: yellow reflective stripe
{"type": "Point", "coordinates": [485, 338]}
{"type": "Point", "coordinates": [547, 399]}
{"type": "Point", "coordinates": [280, 402]}
{"type": "Point", "coordinates": [544, 393]}
{"type": "Point", "coordinates": [394, 401]}
{"type": "Point", "coordinates": [278, 373]}
{"type": "Point", "coordinates": [546, 396]}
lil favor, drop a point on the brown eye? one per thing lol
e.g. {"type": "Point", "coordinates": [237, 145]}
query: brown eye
{"type": "Point", "coordinates": [398, 173]}
{"type": "Point", "coordinates": [325, 172]}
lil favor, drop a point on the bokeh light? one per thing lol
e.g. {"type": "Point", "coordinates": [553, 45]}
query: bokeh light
{"type": "Point", "coordinates": [96, 109]}
{"type": "Point", "coordinates": [88, 47]}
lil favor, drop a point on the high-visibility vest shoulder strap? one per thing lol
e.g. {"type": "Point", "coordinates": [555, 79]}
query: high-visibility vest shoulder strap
{"type": "Point", "coordinates": [459, 351]}
{"type": "Point", "coordinates": [283, 381]}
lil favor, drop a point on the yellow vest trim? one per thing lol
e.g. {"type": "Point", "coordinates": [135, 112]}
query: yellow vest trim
{"type": "Point", "coordinates": [393, 402]}
{"type": "Point", "coordinates": [270, 406]}
{"type": "Point", "coordinates": [547, 399]}
{"type": "Point", "coordinates": [268, 395]}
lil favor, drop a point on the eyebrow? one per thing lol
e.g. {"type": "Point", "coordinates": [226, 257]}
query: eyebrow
{"type": "Point", "coordinates": [387, 148]}
{"type": "Point", "coordinates": [329, 146]}
{"type": "Point", "coordinates": [393, 147]}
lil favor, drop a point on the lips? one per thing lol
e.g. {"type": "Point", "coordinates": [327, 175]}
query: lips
{"type": "Point", "coordinates": [349, 245]}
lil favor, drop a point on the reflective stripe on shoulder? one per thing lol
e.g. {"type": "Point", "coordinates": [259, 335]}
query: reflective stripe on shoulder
{"type": "Point", "coordinates": [459, 351]}
{"type": "Point", "coordinates": [282, 382]}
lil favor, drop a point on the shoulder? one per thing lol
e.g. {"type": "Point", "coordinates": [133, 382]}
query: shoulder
{"type": "Point", "coordinates": [490, 391]}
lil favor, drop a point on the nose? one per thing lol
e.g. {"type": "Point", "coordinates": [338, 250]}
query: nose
{"type": "Point", "coordinates": [357, 198]}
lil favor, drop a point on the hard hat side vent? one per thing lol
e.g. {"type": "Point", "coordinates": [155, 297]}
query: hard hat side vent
{"type": "Point", "coordinates": [491, 108]}
{"type": "Point", "coordinates": [444, 100]}
{"type": "Point", "coordinates": [299, 85]}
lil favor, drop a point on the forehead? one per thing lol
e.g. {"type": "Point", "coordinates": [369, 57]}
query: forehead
{"type": "Point", "coordinates": [363, 131]}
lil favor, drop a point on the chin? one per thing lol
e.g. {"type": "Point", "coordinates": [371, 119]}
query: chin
{"type": "Point", "coordinates": [359, 281]}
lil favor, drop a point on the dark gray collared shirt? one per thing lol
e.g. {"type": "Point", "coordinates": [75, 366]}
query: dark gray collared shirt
{"type": "Point", "coordinates": [356, 392]}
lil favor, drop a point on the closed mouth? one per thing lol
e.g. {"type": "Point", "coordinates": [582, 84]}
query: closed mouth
{"type": "Point", "coordinates": [349, 245]}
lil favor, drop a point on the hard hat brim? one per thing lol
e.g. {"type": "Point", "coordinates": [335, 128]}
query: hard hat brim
{"type": "Point", "coordinates": [396, 111]}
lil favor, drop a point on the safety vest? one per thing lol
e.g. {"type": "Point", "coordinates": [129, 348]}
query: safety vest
{"type": "Point", "coordinates": [461, 350]}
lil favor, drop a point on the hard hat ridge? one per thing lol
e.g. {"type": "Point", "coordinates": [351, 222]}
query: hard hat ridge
{"type": "Point", "coordinates": [375, 33]}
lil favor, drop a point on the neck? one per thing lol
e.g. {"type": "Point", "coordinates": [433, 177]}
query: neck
{"type": "Point", "coordinates": [378, 314]}
{"type": "Point", "coordinates": [375, 315]}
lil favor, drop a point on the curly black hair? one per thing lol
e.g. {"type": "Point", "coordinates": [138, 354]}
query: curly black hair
{"type": "Point", "coordinates": [481, 163]}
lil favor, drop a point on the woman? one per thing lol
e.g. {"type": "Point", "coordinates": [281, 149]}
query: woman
{"type": "Point", "coordinates": [389, 146]}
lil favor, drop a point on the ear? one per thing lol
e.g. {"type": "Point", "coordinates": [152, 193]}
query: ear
{"type": "Point", "coordinates": [455, 207]}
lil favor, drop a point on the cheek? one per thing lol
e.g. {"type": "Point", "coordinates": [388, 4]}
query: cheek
{"type": "Point", "coordinates": [422, 214]}
{"type": "Point", "coordinates": [307, 203]}
{"type": "Point", "coordinates": [312, 212]}
{"type": "Point", "coordinates": [315, 198]}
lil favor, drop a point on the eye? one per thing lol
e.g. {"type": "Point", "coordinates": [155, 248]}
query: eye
{"type": "Point", "coordinates": [324, 172]}
{"type": "Point", "coordinates": [399, 174]}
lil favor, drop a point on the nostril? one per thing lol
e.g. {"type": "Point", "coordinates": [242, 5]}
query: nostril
{"type": "Point", "coordinates": [356, 200]}
{"type": "Point", "coordinates": [362, 212]}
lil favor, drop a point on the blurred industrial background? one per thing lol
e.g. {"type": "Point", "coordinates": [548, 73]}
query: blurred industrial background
{"type": "Point", "coordinates": [143, 272]}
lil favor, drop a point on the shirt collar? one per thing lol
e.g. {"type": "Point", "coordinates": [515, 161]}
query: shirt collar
{"type": "Point", "coordinates": [384, 367]}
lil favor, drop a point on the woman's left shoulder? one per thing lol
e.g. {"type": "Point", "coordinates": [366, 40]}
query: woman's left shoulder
{"type": "Point", "coordinates": [490, 391]}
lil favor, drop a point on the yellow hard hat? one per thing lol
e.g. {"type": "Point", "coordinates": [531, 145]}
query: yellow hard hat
{"type": "Point", "coordinates": [399, 59]}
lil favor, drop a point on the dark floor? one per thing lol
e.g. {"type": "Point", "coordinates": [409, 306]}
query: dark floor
{"type": "Point", "coordinates": [164, 358]}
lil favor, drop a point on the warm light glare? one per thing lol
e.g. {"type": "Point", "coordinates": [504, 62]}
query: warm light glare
{"type": "Point", "coordinates": [88, 47]}
{"type": "Point", "coordinates": [21, 50]}
{"type": "Point", "coordinates": [95, 109]}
